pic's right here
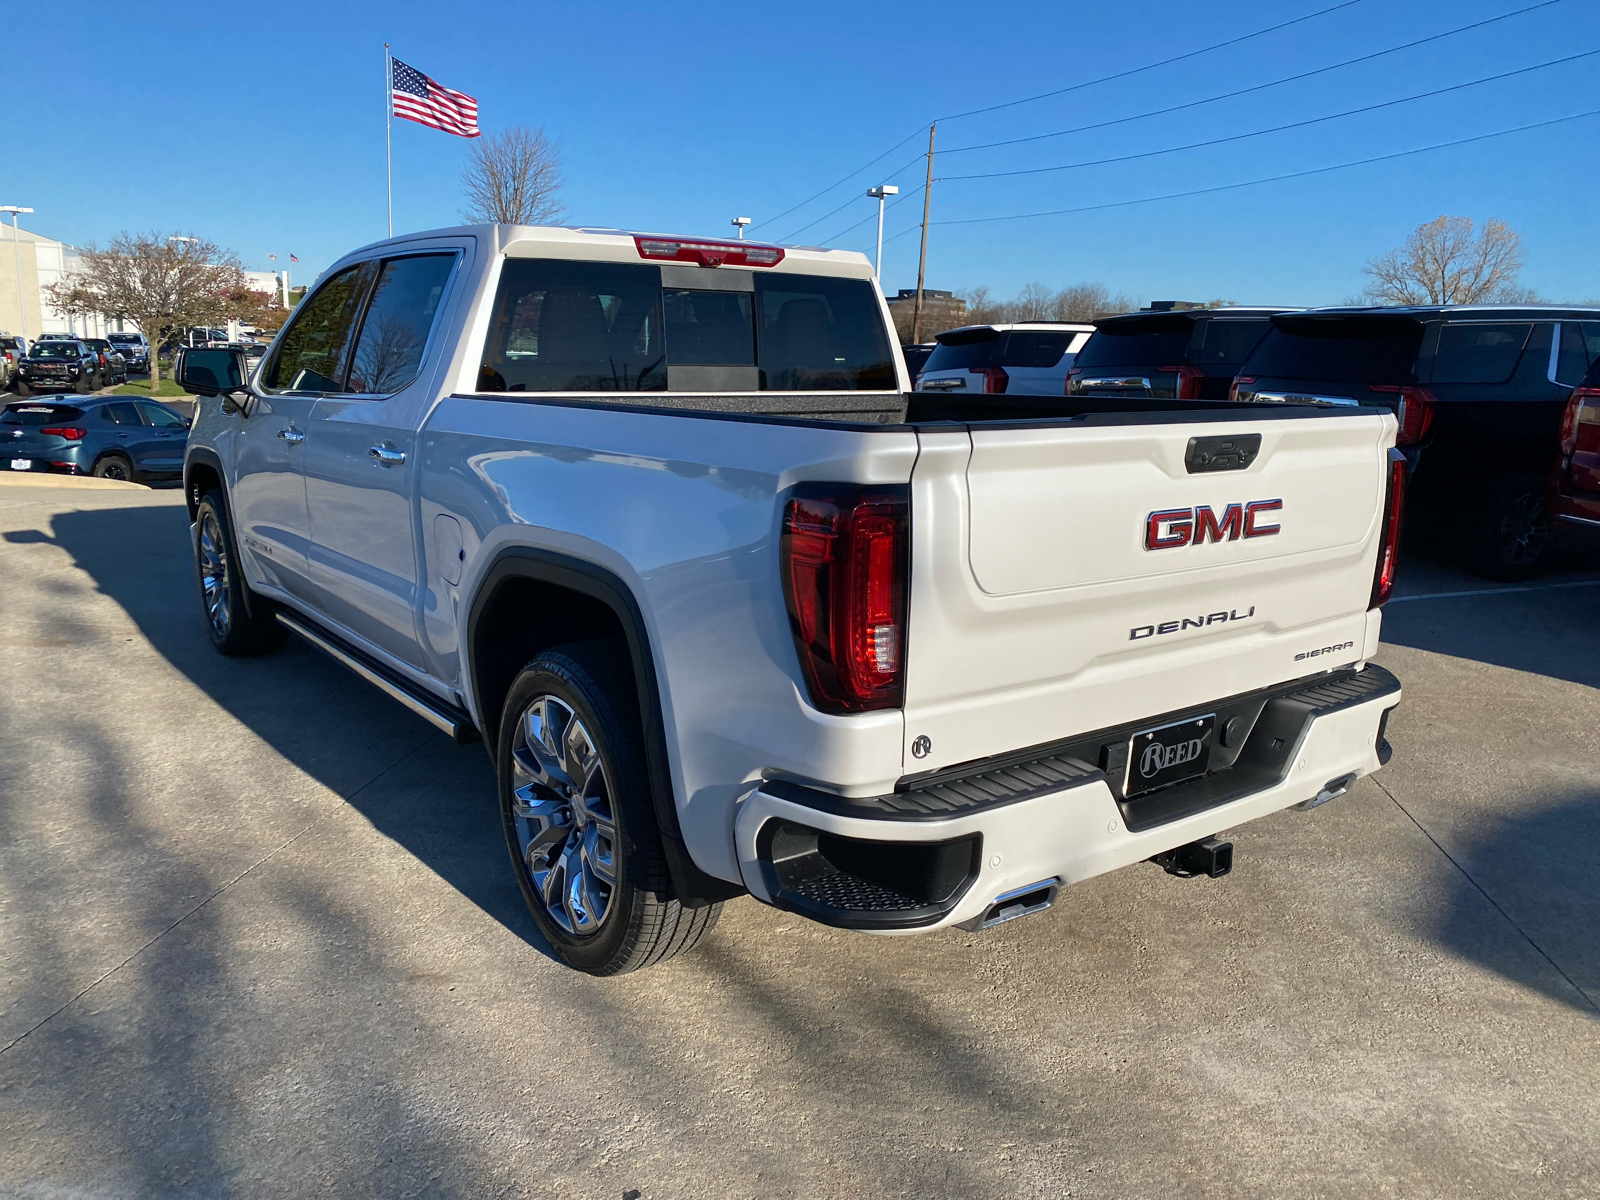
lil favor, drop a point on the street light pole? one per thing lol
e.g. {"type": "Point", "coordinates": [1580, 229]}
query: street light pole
{"type": "Point", "coordinates": [16, 248]}
{"type": "Point", "coordinates": [740, 223]}
{"type": "Point", "coordinates": [878, 193]}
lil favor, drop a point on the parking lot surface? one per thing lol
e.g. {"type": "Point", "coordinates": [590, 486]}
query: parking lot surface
{"type": "Point", "coordinates": [259, 938]}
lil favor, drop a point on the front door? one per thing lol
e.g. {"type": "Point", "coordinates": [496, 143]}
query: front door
{"type": "Point", "coordinates": [269, 491]}
{"type": "Point", "coordinates": [361, 463]}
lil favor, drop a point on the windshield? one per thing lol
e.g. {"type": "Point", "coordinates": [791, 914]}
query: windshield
{"type": "Point", "coordinates": [54, 350]}
{"type": "Point", "coordinates": [1357, 349]}
{"type": "Point", "coordinates": [39, 414]}
{"type": "Point", "coordinates": [123, 339]}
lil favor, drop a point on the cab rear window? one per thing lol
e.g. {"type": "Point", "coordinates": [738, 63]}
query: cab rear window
{"type": "Point", "coordinates": [611, 327]}
{"type": "Point", "coordinates": [39, 414]}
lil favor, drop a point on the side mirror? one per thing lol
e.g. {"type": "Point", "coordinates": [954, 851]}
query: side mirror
{"type": "Point", "coordinates": [207, 372]}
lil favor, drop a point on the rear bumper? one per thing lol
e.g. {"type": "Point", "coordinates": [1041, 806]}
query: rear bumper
{"type": "Point", "coordinates": [1053, 818]}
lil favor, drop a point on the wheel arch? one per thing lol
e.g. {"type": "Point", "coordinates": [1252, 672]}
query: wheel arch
{"type": "Point", "coordinates": [531, 599]}
{"type": "Point", "coordinates": [202, 471]}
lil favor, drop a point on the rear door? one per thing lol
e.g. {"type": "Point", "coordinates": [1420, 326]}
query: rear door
{"type": "Point", "coordinates": [167, 435]}
{"type": "Point", "coordinates": [1071, 577]}
{"type": "Point", "coordinates": [361, 461]}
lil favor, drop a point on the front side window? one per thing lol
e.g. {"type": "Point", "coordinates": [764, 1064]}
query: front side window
{"type": "Point", "coordinates": [159, 416]}
{"type": "Point", "coordinates": [399, 318]}
{"type": "Point", "coordinates": [311, 353]}
{"type": "Point", "coordinates": [1479, 352]}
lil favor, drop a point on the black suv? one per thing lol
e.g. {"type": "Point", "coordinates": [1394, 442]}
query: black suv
{"type": "Point", "coordinates": [1479, 392]}
{"type": "Point", "coordinates": [59, 364]}
{"type": "Point", "coordinates": [1182, 354]}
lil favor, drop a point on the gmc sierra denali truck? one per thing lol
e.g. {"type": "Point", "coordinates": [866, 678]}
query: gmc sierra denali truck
{"type": "Point", "coordinates": [659, 520]}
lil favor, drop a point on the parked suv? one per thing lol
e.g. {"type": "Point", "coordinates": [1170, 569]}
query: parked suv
{"type": "Point", "coordinates": [56, 364]}
{"type": "Point", "coordinates": [1190, 354]}
{"type": "Point", "coordinates": [12, 350]}
{"type": "Point", "coordinates": [113, 437]}
{"type": "Point", "coordinates": [113, 364]}
{"type": "Point", "coordinates": [1479, 392]}
{"type": "Point", "coordinates": [1575, 480]}
{"type": "Point", "coordinates": [1028, 358]}
{"type": "Point", "coordinates": [134, 348]}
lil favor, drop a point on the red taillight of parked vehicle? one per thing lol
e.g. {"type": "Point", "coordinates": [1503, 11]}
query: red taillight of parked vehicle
{"type": "Point", "coordinates": [845, 570]}
{"type": "Point", "coordinates": [995, 380]}
{"type": "Point", "coordinates": [1389, 543]}
{"type": "Point", "coordinates": [1414, 412]}
{"type": "Point", "coordinates": [1238, 381]}
{"type": "Point", "coordinates": [1072, 378]}
{"type": "Point", "coordinates": [1580, 399]}
{"type": "Point", "coordinates": [71, 432]}
{"type": "Point", "coordinates": [1188, 381]}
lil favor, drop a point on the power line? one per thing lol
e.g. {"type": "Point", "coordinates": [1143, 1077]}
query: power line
{"type": "Point", "coordinates": [1166, 62]}
{"type": "Point", "coordinates": [891, 175]}
{"type": "Point", "coordinates": [1360, 162]}
{"type": "Point", "coordinates": [1075, 87]}
{"type": "Point", "coordinates": [1099, 162]}
{"type": "Point", "coordinates": [1158, 112]}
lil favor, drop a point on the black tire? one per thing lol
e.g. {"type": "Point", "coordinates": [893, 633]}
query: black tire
{"type": "Point", "coordinates": [113, 466]}
{"type": "Point", "coordinates": [237, 622]}
{"type": "Point", "coordinates": [1510, 528]}
{"type": "Point", "coordinates": [559, 795]}
{"type": "Point", "coordinates": [23, 389]}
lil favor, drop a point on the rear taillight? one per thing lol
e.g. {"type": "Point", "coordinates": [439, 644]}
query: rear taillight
{"type": "Point", "coordinates": [1389, 541]}
{"type": "Point", "coordinates": [995, 379]}
{"type": "Point", "coordinates": [1072, 378]}
{"type": "Point", "coordinates": [1414, 412]}
{"type": "Point", "coordinates": [1580, 398]}
{"type": "Point", "coordinates": [1233, 388]}
{"type": "Point", "coordinates": [70, 432]}
{"type": "Point", "coordinates": [1188, 381]}
{"type": "Point", "coordinates": [845, 567]}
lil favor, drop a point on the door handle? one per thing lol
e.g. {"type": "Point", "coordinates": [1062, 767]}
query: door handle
{"type": "Point", "coordinates": [386, 455]}
{"type": "Point", "coordinates": [293, 436]}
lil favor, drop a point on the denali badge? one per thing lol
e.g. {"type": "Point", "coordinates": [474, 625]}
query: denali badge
{"type": "Point", "coordinates": [1198, 622]}
{"type": "Point", "coordinates": [1174, 527]}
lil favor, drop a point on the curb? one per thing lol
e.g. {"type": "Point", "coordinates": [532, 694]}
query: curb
{"type": "Point", "coordinates": [43, 479]}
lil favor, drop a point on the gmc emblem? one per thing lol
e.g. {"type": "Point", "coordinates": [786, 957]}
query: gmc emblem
{"type": "Point", "coordinates": [1174, 527]}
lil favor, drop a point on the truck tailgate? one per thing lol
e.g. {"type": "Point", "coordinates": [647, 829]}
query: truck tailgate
{"type": "Point", "coordinates": [1073, 577]}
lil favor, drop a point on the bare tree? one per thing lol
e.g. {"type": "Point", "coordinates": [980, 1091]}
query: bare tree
{"type": "Point", "coordinates": [1447, 262]}
{"type": "Point", "coordinates": [162, 284]}
{"type": "Point", "coordinates": [512, 179]}
{"type": "Point", "coordinates": [1075, 303]}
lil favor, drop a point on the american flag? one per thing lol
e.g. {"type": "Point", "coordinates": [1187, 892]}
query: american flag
{"type": "Point", "coordinates": [418, 98]}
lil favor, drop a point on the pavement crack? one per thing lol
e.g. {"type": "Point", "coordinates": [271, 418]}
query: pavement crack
{"type": "Point", "coordinates": [1493, 903]}
{"type": "Point", "coordinates": [266, 858]}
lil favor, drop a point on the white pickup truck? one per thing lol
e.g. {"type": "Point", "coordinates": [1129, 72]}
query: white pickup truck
{"type": "Point", "coordinates": [659, 520]}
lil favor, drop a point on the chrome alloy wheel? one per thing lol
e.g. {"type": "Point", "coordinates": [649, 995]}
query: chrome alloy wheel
{"type": "Point", "coordinates": [215, 586]}
{"type": "Point", "coordinates": [566, 821]}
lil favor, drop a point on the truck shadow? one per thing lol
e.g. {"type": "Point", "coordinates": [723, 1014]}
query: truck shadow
{"type": "Point", "coordinates": [307, 708]}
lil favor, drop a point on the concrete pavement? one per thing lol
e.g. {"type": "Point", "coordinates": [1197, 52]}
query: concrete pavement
{"type": "Point", "coordinates": [257, 937]}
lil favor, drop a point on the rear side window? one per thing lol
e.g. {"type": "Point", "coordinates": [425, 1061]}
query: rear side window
{"type": "Point", "coordinates": [399, 318]}
{"type": "Point", "coordinates": [1338, 350]}
{"type": "Point", "coordinates": [1035, 348]}
{"type": "Point", "coordinates": [311, 353]}
{"type": "Point", "coordinates": [39, 414]}
{"type": "Point", "coordinates": [9, 343]}
{"type": "Point", "coordinates": [1224, 343]}
{"type": "Point", "coordinates": [818, 334]}
{"type": "Point", "coordinates": [122, 412]}
{"type": "Point", "coordinates": [575, 327]}
{"type": "Point", "coordinates": [972, 350]}
{"type": "Point", "coordinates": [1572, 360]}
{"type": "Point", "coordinates": [1479, 352]}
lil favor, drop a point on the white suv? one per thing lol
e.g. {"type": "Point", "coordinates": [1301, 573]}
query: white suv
{"type": "Point", "coordinates": [1028, 358]}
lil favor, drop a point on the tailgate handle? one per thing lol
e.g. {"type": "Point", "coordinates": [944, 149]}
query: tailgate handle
{"type": "Point", "coordinates": [1227, 452]}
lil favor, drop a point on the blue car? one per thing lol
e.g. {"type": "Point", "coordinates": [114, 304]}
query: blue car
{"type": "Point", "coordinates": [112, 437]}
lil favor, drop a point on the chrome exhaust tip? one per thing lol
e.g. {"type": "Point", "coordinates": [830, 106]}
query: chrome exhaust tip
{"type": "Point", "coordinates": [1019, 902]}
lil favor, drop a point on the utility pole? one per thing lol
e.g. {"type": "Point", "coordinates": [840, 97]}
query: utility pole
{"type": "Point", "coordinates": [878, 193]}
{"type": "Point", "coordinates": [16, 249]}
{"type": "Point", "coordinates": [922, 259]}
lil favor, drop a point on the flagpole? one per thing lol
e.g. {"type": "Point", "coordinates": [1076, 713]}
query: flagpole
{"type": "Point", "coordinates": [388, 137]}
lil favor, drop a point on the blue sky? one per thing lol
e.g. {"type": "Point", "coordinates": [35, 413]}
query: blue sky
{"type": "Point", "coordinates": [262, 128]}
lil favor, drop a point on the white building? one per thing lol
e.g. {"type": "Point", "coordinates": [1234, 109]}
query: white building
{"type": "Point", "coordinates": [41, 261]}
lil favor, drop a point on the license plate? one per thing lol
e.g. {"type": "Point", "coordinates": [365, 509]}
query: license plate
{"type": "Point", "coordinates": [22, 464]}
{"type": "Point", "coordinates": [1157, 757]}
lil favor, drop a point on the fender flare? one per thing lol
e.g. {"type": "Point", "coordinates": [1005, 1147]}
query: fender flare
{"type": "Point", "coordinates": [695, 887]}
{"type": "Point", "coordinates": [203, 454]}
